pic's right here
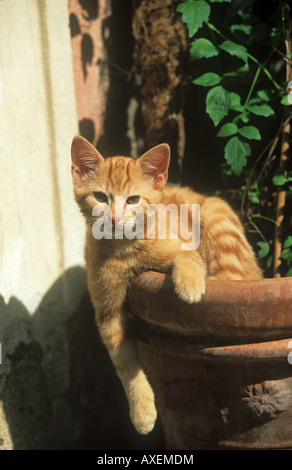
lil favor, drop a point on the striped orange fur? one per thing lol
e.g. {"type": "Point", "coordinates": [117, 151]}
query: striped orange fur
{"type": "Point", "coordinates": [223, 252]}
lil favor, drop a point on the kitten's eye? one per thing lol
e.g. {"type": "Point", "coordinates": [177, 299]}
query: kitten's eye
{"type": "Point", "coordinates": [100, 197]}
{"type": "Point", "coordinates": [133, 199]}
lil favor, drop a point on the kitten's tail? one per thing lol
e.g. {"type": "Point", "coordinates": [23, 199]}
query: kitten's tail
{"type": "Point", "coordinates": [228, 253]}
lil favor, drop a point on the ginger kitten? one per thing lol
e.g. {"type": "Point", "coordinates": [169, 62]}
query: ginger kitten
{"type": "Point", "coordinates": [110, 193]}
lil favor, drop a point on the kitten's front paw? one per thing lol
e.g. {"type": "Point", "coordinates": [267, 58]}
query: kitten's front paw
{"type": "Point", "coordinates": [189, 287]}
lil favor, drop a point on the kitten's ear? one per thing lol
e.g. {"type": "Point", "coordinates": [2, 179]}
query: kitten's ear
{"type": "Point", "coordinates": [84, 157]}
{"type": "Point", "coordinates": [154, 164]}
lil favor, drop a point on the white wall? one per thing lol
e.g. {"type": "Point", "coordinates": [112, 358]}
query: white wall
{"type": "Point", "coordinates": [40, 229]}
{"type": "Point", "coordinates": [41, 234]}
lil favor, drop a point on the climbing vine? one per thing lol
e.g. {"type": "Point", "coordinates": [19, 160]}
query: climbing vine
{"type": "Point", "coordinates": [244, 66]}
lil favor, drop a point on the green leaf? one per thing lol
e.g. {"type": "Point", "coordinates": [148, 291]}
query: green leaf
{"type": "Point", "coordinates": [264, 95]}
{"type": "Point", "coordinates": [269, 261]}
{"type": "Point", "coordinates": [286, 254]}
{"type": "Point", "coordinates": [254, 196]}
{"type": "Point", "coordinates": [250, 132]}
{"type": "Point", "coordinates": [218, 104]}
{"type": "Point", "coordinates": [227, 130]}
{"type": "Point", "coordinates": [238, 51]}
{"type": "Point", "coordinates": [289, 273]}
{"type": "Point", "coordinates": [279, 178]}
{"type": "Point", "coordinates": [194, 14]}
{"type": "Point", "coordinates": [239, 71]}
{"type": "Point", "coordinates": [240, 27]}
{"type": "Point", "coordinates": [264, 249]}
{"type": "Point", "coordinates": [286, 100]}
{"type": "Point", "coordinates": [288, 242]}
{"type": "Point", "coordinates": [235, 49]}
{"type": "Point", "coordinates": [207, 79]}
{"type": "Point", "coordinates": [244, 117]}
{"type": "Point", "coordinates": [235, 104]}
{"type": "Point", "coordinates": [235, 153]}
{"type": "Point", "coordinates": [256, 100]}
{"type": "Point", "coordinates": [202, 48]}
{"type": "Point", "coordinates": [253, 192]}
{"type": "Point", "coordinates": [261, 110]}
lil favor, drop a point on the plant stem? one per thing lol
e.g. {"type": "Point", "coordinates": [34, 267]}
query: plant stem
{"type": "Point", "coordinates": [217, 59]}
{"type": "Point", "coordinates": [259, 216]}
{"type": "Point", "coordinates": [252, 87]}
{"type": "Point", "coordinates": [265, 70]}
{"type": "Point", "coordinates": [285, 147]}
{"type": "Point", "coordinates": [251, 57]}
{"type": "Point", "coordinates": [281, 200]}
{"type": "Point", "coordinates": [257, 229]}
{"type": "Point", "coordinates": [271, 147]}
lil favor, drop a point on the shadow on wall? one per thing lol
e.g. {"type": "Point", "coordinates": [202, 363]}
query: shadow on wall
{"type": "Point", "coordinates": [57, 384]}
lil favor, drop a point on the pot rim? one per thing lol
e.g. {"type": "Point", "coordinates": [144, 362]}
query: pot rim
{"type": "Point", "coordinates": [230, 312]}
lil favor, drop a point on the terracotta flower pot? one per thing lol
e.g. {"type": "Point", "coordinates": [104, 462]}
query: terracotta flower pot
{"type": "Point", "coordinates": [220, 369]}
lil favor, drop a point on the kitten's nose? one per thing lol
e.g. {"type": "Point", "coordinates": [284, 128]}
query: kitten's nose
{"type": "Point", "coordinates": [116, 217]}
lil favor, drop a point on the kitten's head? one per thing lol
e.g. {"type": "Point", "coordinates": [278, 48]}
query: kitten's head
{"type": "Point", "coordinates": [116, 191]}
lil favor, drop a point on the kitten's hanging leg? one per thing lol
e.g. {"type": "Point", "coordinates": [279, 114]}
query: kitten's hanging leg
{"type": "Point", "coordinates": [122, 350]}
{"type": "Point", "coordinates": [189, 273]}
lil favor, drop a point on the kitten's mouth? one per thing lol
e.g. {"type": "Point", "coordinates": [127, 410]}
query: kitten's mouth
{"type": "Point", "coordinates": [121, 225]}
{"type": "Point", "coordinates": [121, 229]}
